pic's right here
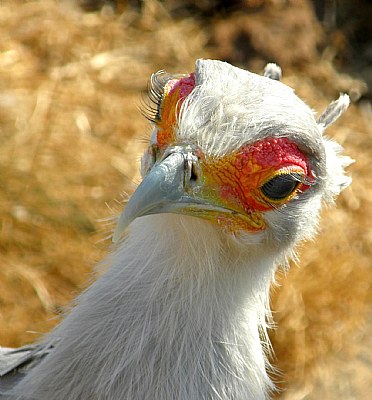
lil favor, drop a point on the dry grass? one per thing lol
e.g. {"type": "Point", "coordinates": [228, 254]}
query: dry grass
{"type": "Point", "coordinates": [71, 135]}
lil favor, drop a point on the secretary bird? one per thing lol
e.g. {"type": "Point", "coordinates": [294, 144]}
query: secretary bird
{"type": "Point", "coordinates": [234, 177]}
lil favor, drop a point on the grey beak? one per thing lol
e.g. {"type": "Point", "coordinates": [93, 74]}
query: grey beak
{"type": "Point", "coordinates": [162, 188]}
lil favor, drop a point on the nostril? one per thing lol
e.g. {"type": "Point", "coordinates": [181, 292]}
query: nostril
{"type": "Point", "coordinates": [192, 172]}
{"type": "Point", "coordinates": [193, 175]}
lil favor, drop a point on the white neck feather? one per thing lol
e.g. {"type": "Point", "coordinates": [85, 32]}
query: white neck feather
{"type": "Point", "coordinates": [175, 317]}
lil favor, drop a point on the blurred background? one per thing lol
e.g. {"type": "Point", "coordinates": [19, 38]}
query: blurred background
{"type": "Point", "coordinates": [71, 135]}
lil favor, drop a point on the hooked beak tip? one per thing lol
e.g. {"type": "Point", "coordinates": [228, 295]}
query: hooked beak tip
{"type": "Point", "coordinates": [120, 228]}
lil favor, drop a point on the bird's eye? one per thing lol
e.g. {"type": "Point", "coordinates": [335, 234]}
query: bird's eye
{"type": "Point", "coordinates": [280, 187]}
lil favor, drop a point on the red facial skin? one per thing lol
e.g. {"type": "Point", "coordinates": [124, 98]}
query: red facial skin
{"type": "Point", "coordinates": [175, 92]}
{"type": "Point", "coordinates": [241, 174]}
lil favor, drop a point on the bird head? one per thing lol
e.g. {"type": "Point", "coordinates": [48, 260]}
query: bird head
{"type": "Point", "coordinates": [239, 150]}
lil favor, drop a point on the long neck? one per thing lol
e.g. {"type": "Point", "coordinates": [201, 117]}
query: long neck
{"type": "Point", "coordinates": [177, 316]}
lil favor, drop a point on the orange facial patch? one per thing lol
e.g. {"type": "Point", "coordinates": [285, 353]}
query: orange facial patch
{"type": "Point", "coordinates": [240, 176]}
{"type": "Point", "coordinates": [175, 92]}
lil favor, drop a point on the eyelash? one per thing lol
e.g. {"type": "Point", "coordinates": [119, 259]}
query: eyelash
{"type": "Point", "coordinates": [151, 103]}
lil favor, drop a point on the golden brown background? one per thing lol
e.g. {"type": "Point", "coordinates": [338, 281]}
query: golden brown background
{"type": "Point", "coordinates": [71, 134]}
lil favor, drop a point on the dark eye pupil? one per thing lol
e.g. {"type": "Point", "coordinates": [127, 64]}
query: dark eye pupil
{"type": "Point", "coordinates": [279, 187]}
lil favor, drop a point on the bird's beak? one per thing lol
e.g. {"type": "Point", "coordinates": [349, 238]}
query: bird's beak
{"type": "Point", "coordinates": [169, 188]}
{"type": "Point", "coordinates": [162, 190]}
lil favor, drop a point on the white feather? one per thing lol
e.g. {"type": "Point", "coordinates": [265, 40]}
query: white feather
{"type": "Point", "coordinates": [163, 325]}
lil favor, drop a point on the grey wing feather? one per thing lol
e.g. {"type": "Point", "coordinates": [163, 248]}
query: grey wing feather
{"type": "Point", "coordinates": [15, 363]}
